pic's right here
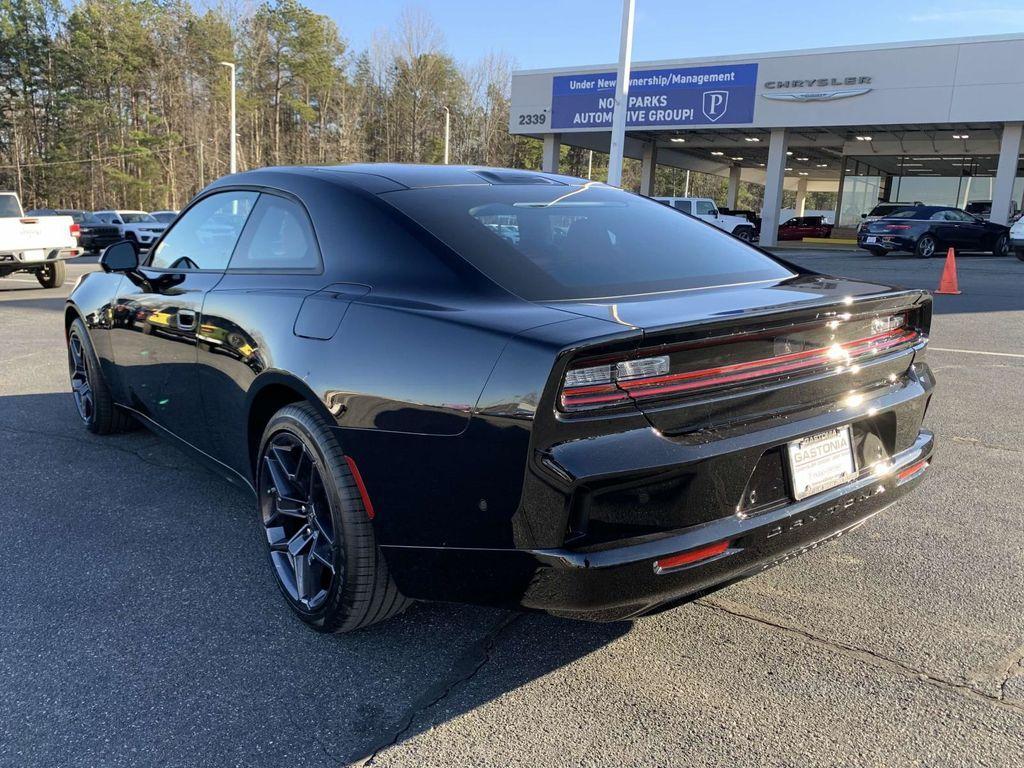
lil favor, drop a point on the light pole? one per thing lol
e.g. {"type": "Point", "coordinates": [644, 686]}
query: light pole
{"type": "Point", "coordinates": [621, 96]}
{"type": "Point", "coordinates": [447, 132]}
{"type": "Point", "coordinates": [231, 65]}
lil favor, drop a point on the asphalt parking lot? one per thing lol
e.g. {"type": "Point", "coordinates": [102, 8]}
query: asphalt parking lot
{"type": "Point", "coordinates": [139, 624]}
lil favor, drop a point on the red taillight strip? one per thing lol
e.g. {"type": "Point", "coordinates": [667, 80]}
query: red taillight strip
{"type": "Point", "coordinates": [367, 504]}
{"type": "Point", "coordinates": [737, 372]}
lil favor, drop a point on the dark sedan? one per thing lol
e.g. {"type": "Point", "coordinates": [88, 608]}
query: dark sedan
{"type": "Point", "coordinates": [503, 387]}
{"type": "Point", "coordinates": [929, 230]}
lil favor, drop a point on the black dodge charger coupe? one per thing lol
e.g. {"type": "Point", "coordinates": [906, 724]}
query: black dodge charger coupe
{"type": "Point", "coordinates": [503, 387]}
{"type": "Point", "coordinates": [928, 230]}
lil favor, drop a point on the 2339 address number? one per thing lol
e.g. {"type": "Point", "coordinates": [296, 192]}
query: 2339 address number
{"type": "Point", "coordinates": [535, 118]}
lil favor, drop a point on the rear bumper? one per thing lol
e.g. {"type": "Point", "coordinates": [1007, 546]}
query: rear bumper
{"type": "Point", "coordinates": [621, 582]}
{"type": "Point", "coordinates": [887, 243]}
{"type": "Point", "coordinates": [12, 261]}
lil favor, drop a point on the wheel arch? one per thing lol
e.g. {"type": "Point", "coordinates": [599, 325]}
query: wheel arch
{"type": "Point", "coordinates": [271, 392]}
{"type": "Point", "coordinates": [71, 313]}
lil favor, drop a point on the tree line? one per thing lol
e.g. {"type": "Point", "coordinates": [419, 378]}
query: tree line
{"type": "Point", "coordinates": [125, 103]}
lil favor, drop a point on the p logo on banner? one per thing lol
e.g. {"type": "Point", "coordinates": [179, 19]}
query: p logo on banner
{"type": "Point", "coordinates": [715, 104]}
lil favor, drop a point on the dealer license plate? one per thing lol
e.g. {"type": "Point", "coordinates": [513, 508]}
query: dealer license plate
{"type": "Point", "coordinates": [821, 461]}
{"type": "Point", "coordinates": [871, 239]}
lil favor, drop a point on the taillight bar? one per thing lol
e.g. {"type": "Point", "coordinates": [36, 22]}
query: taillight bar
{"type": "Point", "coordinates": [841, 354]}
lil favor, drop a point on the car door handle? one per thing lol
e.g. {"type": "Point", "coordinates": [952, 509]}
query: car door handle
{"type": "Point", "coordinates": [187, 321]}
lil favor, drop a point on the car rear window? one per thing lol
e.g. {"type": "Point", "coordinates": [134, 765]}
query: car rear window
{"type": "Point", "coordinates": [9, 207]}
{"type": "Point", "coordinates": [577, 242]}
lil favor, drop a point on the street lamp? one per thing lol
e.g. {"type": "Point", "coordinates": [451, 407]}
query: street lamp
{"type": "Point", "coordinates": [231, 65]}
{"type": "Point", "coordinates": [447, 132]}
{"type": "Point", "coordinates": [618, 142]}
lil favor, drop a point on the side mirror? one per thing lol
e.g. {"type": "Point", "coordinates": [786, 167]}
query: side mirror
{"type": "Point", "coordinates": [120, 257]}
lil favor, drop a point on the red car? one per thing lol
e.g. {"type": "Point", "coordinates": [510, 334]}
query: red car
{"type": "Point", "coordinates": [800, 227]}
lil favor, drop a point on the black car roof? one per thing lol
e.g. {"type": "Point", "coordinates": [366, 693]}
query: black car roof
{"type": "Point", "coordinates": [382, 177]}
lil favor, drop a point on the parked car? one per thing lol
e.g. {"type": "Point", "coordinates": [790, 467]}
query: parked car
{"type": "Point", "coordinates": [704, 208]}
{"type": "Point", "coordinates": [828, 215]}
{"type": "Point", "coordinates": [1017, 238]}
{"type": "Point", "coordinates": [164, 217]}
{"type": "Point", "coordinates": [93, 234]}
{"type": "Point", "coordinates": [882, 210]}
{"type": "Point", "coordinates": [139, 228]}
{"type": "Point", "coordinates": [932, 229]}
{"type": "Point", "coordinates": [576, 411]}
{"type": "Point", "coordinates": [983, 209]}
{"type": "Point", "coordinates": [35, 244]}
{"type": "Point", "coordinates": [799, 227]}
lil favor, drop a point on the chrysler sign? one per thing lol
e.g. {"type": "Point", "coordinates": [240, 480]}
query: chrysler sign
{"type": "Point", "coordinates": [818, 89]}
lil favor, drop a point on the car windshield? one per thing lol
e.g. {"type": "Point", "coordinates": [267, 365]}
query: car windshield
{"type": "Point", "coordinates": [136, 218]}
{"type": "Point", "coordinates": [165, 218]}
{"type": "Point", "coordinates": [575, 242]}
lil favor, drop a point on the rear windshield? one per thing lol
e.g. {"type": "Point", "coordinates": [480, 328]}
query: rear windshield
{"type": "Point", "coordinates": [9, 207]}
{"type": "Point", "coordinates": [888, 210]}
{"type": "Point", "coordinates": [592, 241]}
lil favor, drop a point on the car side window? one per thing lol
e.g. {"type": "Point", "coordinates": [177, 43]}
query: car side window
{"type": "Point", "coordinates": [205, 235]}
{"type": "Point", "coordinates": [940, 216]}
{"type": "Point", "coordinates": [682, 205]}
{"type": "Point", "coordinates": [704, 208]}
{"type": "Point", "coordinates": [278, 236]}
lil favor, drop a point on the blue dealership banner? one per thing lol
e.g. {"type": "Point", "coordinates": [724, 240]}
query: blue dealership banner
{"type": "Point", "coordinates": [657, 97]}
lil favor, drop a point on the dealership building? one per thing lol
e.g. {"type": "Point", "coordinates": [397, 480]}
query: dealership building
{"type": "Point", "coordinates": [937, 122]}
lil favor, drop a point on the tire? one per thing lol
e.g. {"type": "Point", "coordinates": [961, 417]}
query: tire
{"type": "Point", "coordinates": [1002, 246]}
{"type": "Point", "coordinates": [746, 234]}
{"type": "Point", "coordinates": [52, 275]}
{"type": "Point", "coordinates": [876, 251]}
{"type": "Point", "coordinates": [356, 590]}
{"type": "Point", "coordinates": [94, 402]}
{"type": "Point", "coordinates": [926, 247]}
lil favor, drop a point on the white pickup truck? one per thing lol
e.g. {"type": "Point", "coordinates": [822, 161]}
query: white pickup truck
{"type": "Point", "coordinates": [704, 208]}
{"type": "Point", "coordinates": [35, 244]}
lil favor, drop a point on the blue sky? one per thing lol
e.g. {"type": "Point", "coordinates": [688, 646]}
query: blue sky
{"type": "Point", "coordinates": [553, 33]}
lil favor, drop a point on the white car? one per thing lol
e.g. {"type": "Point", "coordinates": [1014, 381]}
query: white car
{"type": "Point", "coordinates": [1017, 238]}
{"type": "Point", "coordinates": [138, 227]}
{"type": "Point", "coordinates": [704, 208]}
{"type": "Point", "coordinates": [36, 244]}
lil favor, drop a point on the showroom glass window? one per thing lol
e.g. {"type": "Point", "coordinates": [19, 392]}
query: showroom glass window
{"type": "Point", "coordinates": [278, 236]}
{"type": "Point", "coordinates": [205, 235]}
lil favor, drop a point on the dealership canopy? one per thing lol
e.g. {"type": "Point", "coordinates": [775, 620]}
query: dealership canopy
{"type": "Point", "coordinates": [937, 122]}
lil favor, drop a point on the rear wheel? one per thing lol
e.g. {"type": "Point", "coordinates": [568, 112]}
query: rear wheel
{"type": "Point", "coordinates": [89, 389]}
{"type": "Point", "coordinates": [1002, 246]}
{"type": "Point", "coordinates": [318, 533]}
{"type": "Point", "coordinates": [746, 234]}
{"type": "Point", "coordinates": [926, 246]}
{"type": "Point", "coordinates": [52, 275]}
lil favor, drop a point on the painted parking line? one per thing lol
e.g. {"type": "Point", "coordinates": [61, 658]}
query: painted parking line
{"type": "Point", "coordinates": [975, 352]}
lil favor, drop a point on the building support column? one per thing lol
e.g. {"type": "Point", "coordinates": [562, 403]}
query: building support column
{"type": "Point", "coordinates": [551, 153]}
{"type": "Point", "coordinates": [801, 195]}
{"type": "Point", "coordinates": [648, 168]}
{"type": "Point", "coordinates": [1006, 172]}
{"type": "Point", "coordinates": [734, 187]}
{"type": "Point", "coordinates": [775, 173]}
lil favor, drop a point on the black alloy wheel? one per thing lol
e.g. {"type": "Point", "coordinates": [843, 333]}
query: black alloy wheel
{"type": "Point", "coordinates": [926, 246]}
{"type": "Point", "coordinates": [318, 530]}
{"type": "Point", "coordinates": [298, 523]}
{"type": "Point", "coordinates": [81, 387]}
{"type": "Point", "coordinates": [1002, 246]}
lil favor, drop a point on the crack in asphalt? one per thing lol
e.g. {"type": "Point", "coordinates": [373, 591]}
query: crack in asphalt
{"type": "Point", "coordinates": [465, 668]}
{"type": "Point", "coordinates": [1016, 660]}
{"type": "Point", "coordinates": [868, 656]}
{"type": "Point", "coordinates": [981, 443]}
{"type": "Point", "coordinates": [101, 445]}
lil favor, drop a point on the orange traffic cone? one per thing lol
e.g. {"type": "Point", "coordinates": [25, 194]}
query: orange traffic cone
{"type": "Point", "coordinates": [948, 283]}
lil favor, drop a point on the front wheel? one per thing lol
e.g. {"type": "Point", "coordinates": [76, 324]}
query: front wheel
{"type": "Point", "coordinates": [925, 248]}
{"type": "Point", "coordinates": [52, 275]}
{"type": "Point", "coordinates": [746, 234]}
{"type": "Point", "coordinates": [317, 528]}
{"type": "Point", "coordinates": [89, 389]}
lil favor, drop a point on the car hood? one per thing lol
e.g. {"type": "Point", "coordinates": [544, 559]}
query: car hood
{"type": "Point", "coordinates": [664, 310]}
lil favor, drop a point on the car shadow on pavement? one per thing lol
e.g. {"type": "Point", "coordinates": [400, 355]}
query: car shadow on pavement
{"type": "Point", "coordinates": [142, 620]}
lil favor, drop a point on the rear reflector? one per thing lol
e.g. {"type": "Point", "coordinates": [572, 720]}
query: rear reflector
{"type": "Point", "coordinates": [907, 472]}
{"type": "Point", "coordinates": [691, 557]}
